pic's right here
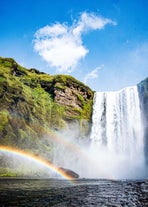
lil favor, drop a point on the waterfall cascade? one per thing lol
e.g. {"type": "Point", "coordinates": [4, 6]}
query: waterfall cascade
{"type": "Point", "coordinates": [117, 127]}
{"type": "Point", "coordinates": [117, 121]}
{"type": "Point", "coordinates": [115, 148]}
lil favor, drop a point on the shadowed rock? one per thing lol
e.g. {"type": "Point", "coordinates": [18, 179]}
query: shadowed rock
{"type": "Point", "coordinates": [69, 172]}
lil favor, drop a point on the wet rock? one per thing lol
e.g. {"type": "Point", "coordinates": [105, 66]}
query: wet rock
{"type": "Point", "coordinates": [69, 172]}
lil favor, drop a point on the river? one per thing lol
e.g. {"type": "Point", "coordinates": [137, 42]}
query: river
{"type": "Point", "coordinates": [81, 192]}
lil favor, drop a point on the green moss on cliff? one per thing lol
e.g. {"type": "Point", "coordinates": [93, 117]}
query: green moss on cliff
{"type": "Point", "coordinates": [33, 103]}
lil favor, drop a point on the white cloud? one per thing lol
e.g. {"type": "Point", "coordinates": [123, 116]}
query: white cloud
{"type": "Point", "coordinates": [52, 31]}
{"type": "Point", "coordinates": [93, 74]}
{"type": "Point", "coordinates": [61, 45]}
{"type": "Point", "coordinates": [90, 21]}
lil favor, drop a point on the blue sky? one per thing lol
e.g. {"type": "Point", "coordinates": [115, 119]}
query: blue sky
{"type": "Point", "coordinates": [103, 43]}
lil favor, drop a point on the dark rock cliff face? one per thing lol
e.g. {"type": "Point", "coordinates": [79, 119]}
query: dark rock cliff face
{"type": "Point", "coordinates": [143, 94]}
{"type": "Point", "coordinates": [34, 104]}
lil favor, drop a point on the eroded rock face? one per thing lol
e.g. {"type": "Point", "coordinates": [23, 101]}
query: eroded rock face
{"type": "Point", "coordinates": [70, 93]}
{"type": "Point", "coordinates": [68, 97]}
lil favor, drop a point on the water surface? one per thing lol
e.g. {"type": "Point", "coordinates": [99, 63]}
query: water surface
{"type": "Point", "coordinates": [81, 192]}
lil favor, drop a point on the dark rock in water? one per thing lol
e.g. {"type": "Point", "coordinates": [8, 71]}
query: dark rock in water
{"type": "Point", "coordinates": [69, 172]}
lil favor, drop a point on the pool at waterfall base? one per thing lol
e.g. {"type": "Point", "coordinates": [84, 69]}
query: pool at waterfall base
{"type": "Point", "coordinates": [82, 192]}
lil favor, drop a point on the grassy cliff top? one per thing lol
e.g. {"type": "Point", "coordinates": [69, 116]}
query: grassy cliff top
{"type": "Point", "coordinates": [10, 67]}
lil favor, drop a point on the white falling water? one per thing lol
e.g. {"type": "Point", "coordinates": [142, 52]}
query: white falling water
{"type": "Point", "coordinates": [117, 147]}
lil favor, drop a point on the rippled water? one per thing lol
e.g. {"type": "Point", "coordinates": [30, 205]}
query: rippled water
{"type": "Point", "coordinates": [81, 192]}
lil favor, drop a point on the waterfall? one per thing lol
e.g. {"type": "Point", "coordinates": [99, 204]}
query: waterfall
{"type": "Point", "coordinates": [115, 148]}
{"type": "Point", "coordinates": [117, 133]}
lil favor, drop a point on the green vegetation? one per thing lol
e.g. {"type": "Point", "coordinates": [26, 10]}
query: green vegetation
{"type": "Point", "coordinates": [33, 104]}
{"type": "Point", "coordinates": [7, 172]}
{"type": "Point", "coordinates": [22, 172]}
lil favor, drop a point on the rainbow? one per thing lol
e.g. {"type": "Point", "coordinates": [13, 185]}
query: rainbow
{"type": "Point", "coordinates": [36, 159]}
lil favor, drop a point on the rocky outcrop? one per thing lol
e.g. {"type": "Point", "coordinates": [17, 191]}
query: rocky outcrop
{"type": "Point", "coordinates": [72, 94]}
{"type": "Point", "coordinates": [143, 94]}
{"type": "Point", "coordinates": [69, 172]}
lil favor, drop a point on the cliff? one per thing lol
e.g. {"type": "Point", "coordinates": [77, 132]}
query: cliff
{"type": "Point", "coordinates": [143, 93]}
{"type": "Point", "coordinates": [34, 104]}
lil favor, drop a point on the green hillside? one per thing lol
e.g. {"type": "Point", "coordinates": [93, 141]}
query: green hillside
{"type": "Point", "coordinates": [33, 105]}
